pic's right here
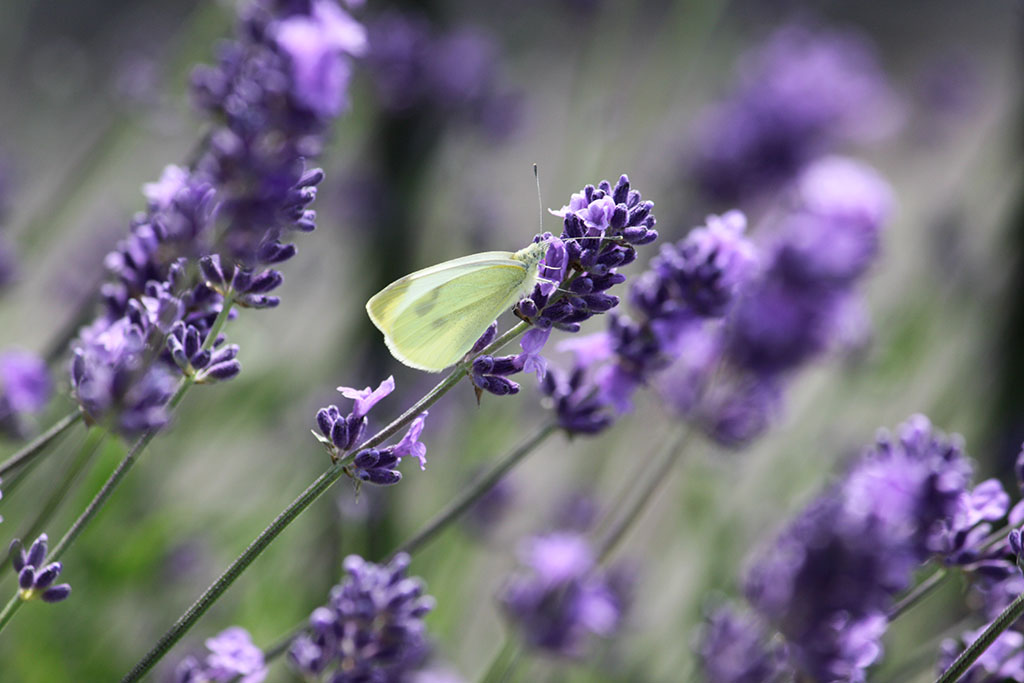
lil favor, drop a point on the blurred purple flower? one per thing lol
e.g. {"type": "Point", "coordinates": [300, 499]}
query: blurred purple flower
{"type": "Point", "coordinates": [371, 628]}
{"type": "Point", "coordinates": [316, 45]}
{"type": "Point", "coordinates": [735, 648]}
{"type": "Point", "coordinates": [232, 657]}
{"type": "Point", "coordinates": [798, 95]}
{"type": "Point", "coordinates": [25, 388]}
{"type": "Point", "coordinates": [831, 576]}
{"type": "Point", "coordinates": [561, 597]}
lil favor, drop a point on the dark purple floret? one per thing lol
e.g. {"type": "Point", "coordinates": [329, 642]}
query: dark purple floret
{"type": "Point", "coordinates": [340, 433]}
{"type": "Point", "coordinates": [232, 657]}
{"type": "Point", "coordinates": [561, 599]}
{"type": "Point", "coordinates": [25, 389]}
{"type": "Point", "coordinates": [35, 579]}
{"type": "Point", "coordinates": [490, 374]}
{"type": "Point", "coordinates": [371, 628]}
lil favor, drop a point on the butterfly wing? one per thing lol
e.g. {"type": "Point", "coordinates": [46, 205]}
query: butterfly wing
{"type": "Point", "coordinates": [431, 318]}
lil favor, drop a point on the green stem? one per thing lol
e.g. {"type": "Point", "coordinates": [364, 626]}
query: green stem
{"type": "Point", "coordinates": [293, 510]}
{"type": "Point", "coordinates": [473, 493]}
{"type": "Point", "coordinates": [657, 475]}
{"type": "Point", "coordinates": [114, 479]}
{"type": "Point", "coordinates": [504, 662]}
{"type": "Point", "coordinates": [89, 447]}
{"type": "Point", "coordinates": [440, 521]}
{"type": "Point", "coordinates": [1004, 621]}
{"type": "Point", "coordinates": [39, 444]}
{"type": "Point", "coordinates": [9, 609]}
{"type": "Point", "coordinates": [918, 593]}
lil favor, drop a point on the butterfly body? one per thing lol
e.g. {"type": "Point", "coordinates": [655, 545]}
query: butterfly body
{"type": "Point", "coordinates": [431, 318]}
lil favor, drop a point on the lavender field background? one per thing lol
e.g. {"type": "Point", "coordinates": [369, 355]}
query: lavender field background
{"type": "Point", "coordinates": [449, 107]}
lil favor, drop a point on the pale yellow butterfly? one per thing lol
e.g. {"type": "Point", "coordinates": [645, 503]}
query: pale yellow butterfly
{"type": "Point", "coordinates": [431, 318]}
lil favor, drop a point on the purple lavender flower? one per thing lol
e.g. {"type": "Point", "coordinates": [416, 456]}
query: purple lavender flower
{"type": "Point", "coordinates": [371, 628]}
{"type": "Point", "coordinates": [316, 45]}
{"type": "Point", "coordinates": [562, 598]}
{"type": "Point", "coordinates": [272, 97]}
{"type": "Point", "coordinates": [25, 388]}
{"type": "Point", "coordinates": [35, 580]}
{"type": "Point", "coordinates": [444, 75]}
{"type": "Point", "coordinates": [689, 282]}
{"type": "Point", "coordinates": [232, 657]}
{"type": "Point", "coordinates": [830, 578]}
{"type": "Point", "coordinates": [799, 94]}
{"type": "Point", "coordinates": [114, 381]}
{"type": "Point", "coordinates": [341, 433]}
{"type": "Point", "coordinates": [735, 648]}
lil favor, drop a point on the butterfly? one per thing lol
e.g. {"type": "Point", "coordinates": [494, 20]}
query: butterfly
{"type": "Point", "coordinates": [431, 318]}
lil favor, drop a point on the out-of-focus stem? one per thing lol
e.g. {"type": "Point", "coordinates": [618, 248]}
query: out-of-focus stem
{"type": "Point", "coordinates": [474, 491]}
{"type": "Point", "coordinates": [656, 476]}
{"type": "Point", "coordinates": [38, 445]}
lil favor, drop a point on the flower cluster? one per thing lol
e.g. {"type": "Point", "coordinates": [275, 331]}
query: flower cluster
{"type": "Point", "coordinates": [35, 580]}
{"type": "Point", "coordinates": [562, 597]}
{"type": "Point", "coordinates": [232, 657]}
{"type": "Point", "coordinates": [799, 305]}
{"type": "Point", "coordinates": [271, 98]}
{"type": "Point", "coordinates": [340, 433]}
{"type": "Point", "coordinates": [602, 226]}
{"type": "Point", "coordinates": [688, 284]}
{"type": "Point", "coordinates": [25, 388]}
{"type": "Point", "coordinates": [735, 648]}
{"type": "Point", "coordinates": [371, 628]}
{"type": "Point", "coordinates": [800, 94]}
{"type": "Point", "coordinates": [829, 580]}
{"type": "Point", "coordinates": [441, 74]}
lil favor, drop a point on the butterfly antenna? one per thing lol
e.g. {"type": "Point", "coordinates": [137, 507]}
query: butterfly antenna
{"type": "Point", "coordinates": [540, 202]}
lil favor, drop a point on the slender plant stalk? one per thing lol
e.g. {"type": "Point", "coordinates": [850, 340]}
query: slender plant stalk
{"type": "Point", "coordinates": [296, 507]}
{"type": "Point", "coordinates": [504, 662]}
{"type": "Point", "coordinates": [122, 468]}
{"type": "Point", "coordinates": [92, 442]}
{"type": "Point", "coordinates": [657, 475]}
{"type": "Point", "coordinates": [445, 517]}
{"type": "Point", "coordinates": [918, 593]}
{"type": "Point", "coordinates": [969, 656]}
{"type": "Point", "coordinates": [38, 445]}
{"type": "Point", "coordinates": [474, 491]}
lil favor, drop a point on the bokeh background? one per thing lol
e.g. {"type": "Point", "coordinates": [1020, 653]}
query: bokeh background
{"type": "Point", "coordinates": [434, 161]}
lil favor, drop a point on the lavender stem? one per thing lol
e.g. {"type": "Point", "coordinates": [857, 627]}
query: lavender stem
{"type": "Point", "coordinates": [982, 642]}
{"type": "Point", "coordinates": [39, 444]}
{"type": "Point", "coordinates": [295, 508]}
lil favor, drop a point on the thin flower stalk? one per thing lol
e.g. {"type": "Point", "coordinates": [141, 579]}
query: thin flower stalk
{"type": "Point", "coordinates": [122, 469]}
{"type": "Point", "coordinates": [38, 445]}
{"type": "Point", "coordinates": [298, 506]}
{"type": "Point", "coordinates": [472, 493]}
{"type": "Point", "coordinates": [969, 656]}
{"type": "Point", "coordinates": [93, 440]}
{"type": "Point", "coordinates": [645, 495]}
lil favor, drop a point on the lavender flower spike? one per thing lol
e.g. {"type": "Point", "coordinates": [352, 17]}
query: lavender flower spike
{"type": "Point", "coordinates": [371, 628]}
{"type": "Point", "coordinates": [562, 598]}
{"type": "Point", "coordinates": [25, 388]}
{"type": "Point", "coordinates": [232, 657]}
